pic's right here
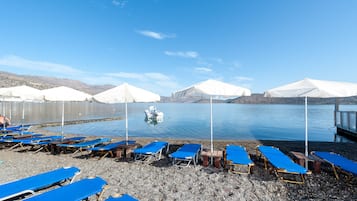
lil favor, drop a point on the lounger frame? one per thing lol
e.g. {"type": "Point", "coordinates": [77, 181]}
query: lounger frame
{"type": "Point", "coordinates": [82, 146]}
{"type": "Point", "coordinates": [32, 190]}
{"type": "Point", "coordinates": [147, 156]}
{"type": "Point", "coordinates": [336, 168]}
{"type": "Point", "coordinates": [186, 161]}
{"type": "Point", "coordinates": [282, 174]}
{"type": "Point", "coordinates": [79, 190]}
{"type": "Point", "coordinates": [235, 167]}
{"type": "Point", "coordinates": [104, 151]}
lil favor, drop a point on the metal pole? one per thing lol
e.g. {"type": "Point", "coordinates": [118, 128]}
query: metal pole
{"type": "Point", "coordinates": [23, 117]}
{"type": "Point", "coordinates": [126, 121]}
{"type": "Point", "coordinates": [62, 119]}
{"type": "Point", "coordinates": [337, 109]}
{"type": "Point", "coordinates": [306, 135]}
{"type": "Point", "coordinates": [211, 132]}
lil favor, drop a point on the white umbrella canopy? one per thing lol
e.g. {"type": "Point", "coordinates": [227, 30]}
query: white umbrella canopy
{"type": "Point", "coordinates": [126, 93]}
{"type": "Point", "coordinates": [63, 94]}
{"type": "Point", "coordinates": [210, 89]}
{"type": "Point", "coordinates": [21, 93]}
{"type": "Point", "coordinates": [315, 89]}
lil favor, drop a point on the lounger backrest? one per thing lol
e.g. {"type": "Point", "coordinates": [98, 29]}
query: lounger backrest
{"type": "Point", "coordinates": [112, 145]}
{"type": "Point", "coordinates": [36, 182]}
{"type": "Point", "coordinates": [338, 160]}
{"type": "Point", "coordinates": [154, 146]}
{"type": "Point", "coordinates": [87, 143]}
{"type": "Point", "coordinates": [193, 148]}
{"type": "Point", "coordinates": [79, 190]}
{"type": "Point", "coordinates": [42, 139]}
{"type": "Point", "coordinates": [279, 160]}
{"type": "Point", "coordinates": [30, 139]}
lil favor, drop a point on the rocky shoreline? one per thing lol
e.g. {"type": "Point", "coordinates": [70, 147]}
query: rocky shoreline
{"type": "Point", "coordinates": [162, 181]}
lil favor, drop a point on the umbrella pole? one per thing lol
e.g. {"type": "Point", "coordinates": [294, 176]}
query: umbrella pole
{"type": "Point", "coordinates": [62, 119]}
{"type": "Point", "coordinates": [3, 111]}
{"type": "Point", "coordinates": [306, 134]}
{"type": "Point", "coordinates": [126, 121]}
{"type": "Point", "coordinates": [211, 132]}
{"type": "Point", "coordinates": [23, 117]}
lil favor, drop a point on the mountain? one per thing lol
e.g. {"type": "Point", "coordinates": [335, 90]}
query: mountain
{"type": "Point", "coordinates": [41, 82]}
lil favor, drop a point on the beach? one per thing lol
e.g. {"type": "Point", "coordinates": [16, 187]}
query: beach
{"type": "Point", "coordinates": [162, 181]}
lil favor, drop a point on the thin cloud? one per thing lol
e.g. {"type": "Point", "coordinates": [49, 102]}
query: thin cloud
{"type": "Point", "coordinates": [187, 54]}
{"type": "Point", "coordinates": [240, 78]}
{"type": "Point", "coordinates": [203, 69]}
{"type": "Point", "coordinates": [45, 66]}
{"type": "Point", "coordinates": [119, 3]}
{"type": "Point", "coordinates": [155, 35]}
{"type": "Point", "coordinates": [140, 76]}
{"type": "Point", "coordinates": [126, 75]}
{"type": "Point", "coordinates": [157, 76]}
{"type": "Point", "coordinates": [155, 81]}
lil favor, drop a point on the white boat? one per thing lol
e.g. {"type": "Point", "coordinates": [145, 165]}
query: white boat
{"type": "Point", "coordinates": [153, 114]}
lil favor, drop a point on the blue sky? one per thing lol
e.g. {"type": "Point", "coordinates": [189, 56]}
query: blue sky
{"type": "Point", "coordinates": [164, 46]}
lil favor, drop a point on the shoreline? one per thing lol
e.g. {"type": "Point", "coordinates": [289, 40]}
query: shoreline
{"type": "Point", "coordinates": [284, 145]}
{"type": "Point", "coordinates": [162, 181]}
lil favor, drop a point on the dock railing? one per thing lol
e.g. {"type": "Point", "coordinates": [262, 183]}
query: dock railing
{"type": "Point", "coordinates": [346, 120]}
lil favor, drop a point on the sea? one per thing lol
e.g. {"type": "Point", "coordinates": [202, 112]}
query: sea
{"type": "Point", "coordinates": [193, 121]}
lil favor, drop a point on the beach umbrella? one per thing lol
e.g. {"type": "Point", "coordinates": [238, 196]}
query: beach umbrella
{"type": "Point", "coordinates": [212, 89]}
{"type": "Point", "coordinates": [22, 94]}
{"type": "Point", "coordinates": [126, 93]}
{"type": "Point", "coordinates": [313, 88]}
{"type": "Point", "coordinates": [65, 94]}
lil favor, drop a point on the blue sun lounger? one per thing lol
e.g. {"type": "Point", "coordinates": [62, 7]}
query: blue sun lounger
{"type": "Point", "coordinates": [75, 191]}
{"type": "Point", "coordinates": [37, 182]}
{"type": "Point", "coordinates": [13, 138]}
{"type": "Point", "coordinates": [151, 150]}
{"type": "Point", "coordinates": [44, 143]}
{"type": "Point", "coordinates": [29, 141]}
{"type": "Point", "coordinates": [282, 164]}
{"type": "Point", "coordinates": [237, 157]}
{"type": "Point", "coordinates": [338, 162]}
{"type": "Point", "coordinates": [124, 197]}
{"type": "Point", "coordinates": [78, 147]}
{"type": "Point", "coordinates": [109, 148]}
{"type": "Point", "coordinates": [187, 153]}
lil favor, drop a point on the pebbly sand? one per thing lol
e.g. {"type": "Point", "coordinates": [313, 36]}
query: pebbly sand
{"type": "Point", "coordinates": [161, 181]}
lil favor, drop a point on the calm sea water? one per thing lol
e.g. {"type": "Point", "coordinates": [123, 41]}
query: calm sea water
{"type": "Point", "coordinates": [230, 121]}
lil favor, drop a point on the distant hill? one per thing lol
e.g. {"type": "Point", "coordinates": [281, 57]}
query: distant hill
{"type": "Point", "coordinates": [42, 82]}
{"type": "Point", "coordinates": [260, 99]}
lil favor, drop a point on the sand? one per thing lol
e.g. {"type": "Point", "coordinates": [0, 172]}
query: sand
{"type": "Point", "coordinates": [162, 181]}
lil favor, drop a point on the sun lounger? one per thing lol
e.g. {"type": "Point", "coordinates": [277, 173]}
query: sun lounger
{"type": "Point", "coordinates": [337, 161]}
{"type": "Point", "coordinates": [37, 182]}
{"type": "Point", "coordinates": [187, 153]}
{"type": "Point", "coordinates": [17, 136]}
{"type": "Point", "coordinates": [282, 164]}
{"type": "Point", "coordinates": [45, 143]}
{"type": "Point", "coordinates": [109, 148]}
{"type": "Point", "coordinates": [124, 197]}
{"type": "Point", "coordinates": [76, 191]}
{"type": "Point", "coordinates": [78, 147]}
{"type": "Point", "coordinates": [236, 157]}
{"type": "Point", "coordinates": [151, 150]}
{"type": "Point", "coordinates": [29, 141]}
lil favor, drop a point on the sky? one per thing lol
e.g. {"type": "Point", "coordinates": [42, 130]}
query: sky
{"type": "Point", "coordinates": [167, 45]}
